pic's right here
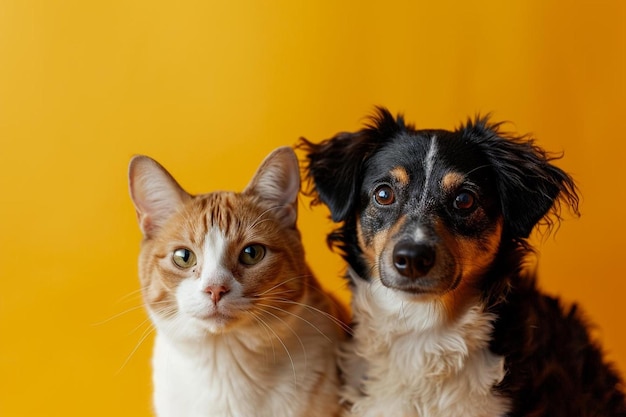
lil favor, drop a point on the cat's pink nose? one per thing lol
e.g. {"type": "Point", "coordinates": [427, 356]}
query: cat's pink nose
{"type": "Point", "coordinates": [216, 292]}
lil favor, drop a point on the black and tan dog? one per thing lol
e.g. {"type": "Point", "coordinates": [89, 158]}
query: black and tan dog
{"type": "Point", "coordinates": [447, 319]}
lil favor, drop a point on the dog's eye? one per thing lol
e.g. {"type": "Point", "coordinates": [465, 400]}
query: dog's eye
{"type": "Point", "coordinates": [465, 200]}
{"type": "Point", "coordinates": [384, 195]}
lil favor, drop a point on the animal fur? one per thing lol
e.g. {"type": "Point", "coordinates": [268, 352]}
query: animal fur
{"type": "Point", "coordinates": [243, 327]}
{"type": "Point", "coordinates": [447, 318]}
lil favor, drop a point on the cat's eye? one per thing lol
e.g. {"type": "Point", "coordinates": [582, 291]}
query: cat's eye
{"type": "Point", "coordinates": [464, 201]}
{"type": "Point", "coordinates": [384, 195]}
{"type": "Point", "coordinates": [252, 254]}
{"type": "Point", "coordinates": [184, 258]}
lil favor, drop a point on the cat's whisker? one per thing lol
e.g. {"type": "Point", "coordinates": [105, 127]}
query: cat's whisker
{"type": "Point", "coordinates": [276, 293]}
{"type": "Point", "coordinates": [149, 329]}
{"type": "Point", "coordinates": [285, 294]}
{"type": "Point", "coordinates": [300, 318]}
{"type": "Point", "coordinates": [282, 283]}
{"type": "Point", "coordinates": [329, 316]}
{"type": "Point", "coordinates": [293, 366]}
{"type": "Point", "coordinates": [133, 294]}
{"type": "Point", "coordinates": [128, 310]}
{"type": "Point", "coordinates": [222, 323]}
{"type": "Point", "coordinates": [270, 292]}
{"type": "Point", "coordinates": [168, 314]}
{"type": "Point", "coordinates": [265, 327]}
{"type": "Point", "coordinates": [144, 336]}
{"type": "Point", "coordinates": [259, 217]}
{"type": "Point", "coordinates": [118, 315]}
{"type": "Point", "coordinates": [310, 286]}
{"type": "Point", "coordinates": [140, 325]}
{"type": "Point", "coordinates": [318, 289]}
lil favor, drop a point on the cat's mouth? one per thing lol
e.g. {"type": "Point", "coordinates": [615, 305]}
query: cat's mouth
{"type": "Point", "coordinates": [216, 319]}
{"type": "Point", "coordinates": [215, 314]}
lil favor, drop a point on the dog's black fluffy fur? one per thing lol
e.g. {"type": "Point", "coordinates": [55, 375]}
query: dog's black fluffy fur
{"type": "Point", "coordinates": [553, 366]}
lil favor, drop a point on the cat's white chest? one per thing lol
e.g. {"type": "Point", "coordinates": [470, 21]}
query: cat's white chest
{"type": "Point", "coordinates": [221, 380]}
{"type": "Point", "coordinates": [226, 378]}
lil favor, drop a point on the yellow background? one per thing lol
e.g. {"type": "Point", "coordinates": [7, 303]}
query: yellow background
{"type": "Point", "coordinates": [209, 88]}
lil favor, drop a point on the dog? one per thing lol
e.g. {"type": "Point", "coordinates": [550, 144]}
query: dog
{"type": "Point", "coordinates": [447, 317]}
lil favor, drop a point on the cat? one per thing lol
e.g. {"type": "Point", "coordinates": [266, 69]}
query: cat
{"type": "Point", "coordinates": [242, 327]}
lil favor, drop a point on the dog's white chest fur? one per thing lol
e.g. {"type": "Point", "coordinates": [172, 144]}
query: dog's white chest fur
{"type": "Point", "coordinates": [407, 360]}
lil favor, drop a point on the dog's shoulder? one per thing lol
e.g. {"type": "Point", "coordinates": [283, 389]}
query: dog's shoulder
{"type": "Point", "coordinates": [552, 356]}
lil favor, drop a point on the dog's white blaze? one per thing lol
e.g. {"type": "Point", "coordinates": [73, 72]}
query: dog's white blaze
{"type": "Point", "coordinates": [429, 162]}
{"type": "Point", "coordinates": [419, 235]}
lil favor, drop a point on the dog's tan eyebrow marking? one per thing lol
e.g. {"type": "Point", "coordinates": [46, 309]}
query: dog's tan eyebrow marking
{"type": "Point", "coordinates": [400, 175]}
{"type": "Point", "coordinates": [452, 180]}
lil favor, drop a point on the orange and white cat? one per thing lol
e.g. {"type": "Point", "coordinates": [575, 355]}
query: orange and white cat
{"type": "Point", "coordinates": [242, 326]}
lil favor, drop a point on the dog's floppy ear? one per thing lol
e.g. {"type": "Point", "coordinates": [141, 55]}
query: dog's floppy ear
{"type": "Point", "coordinates": [334, 166]}
{"type": "Point", "coordinates": [530, 186]}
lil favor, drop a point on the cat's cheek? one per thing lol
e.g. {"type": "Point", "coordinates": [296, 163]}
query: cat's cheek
{"type": "Point", "coordinates": [178, 328]}
{"type": "Point", "coordinates": [190, 299]}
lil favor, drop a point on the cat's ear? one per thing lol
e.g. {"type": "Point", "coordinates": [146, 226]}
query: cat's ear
{"type": "Point", "coordinates": [155, 193]}
{"type": "Point", "coordinates": [277, 181]}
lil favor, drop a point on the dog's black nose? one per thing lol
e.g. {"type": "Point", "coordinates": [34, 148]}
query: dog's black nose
{"type": "Point", "coordinates": [413, 260]}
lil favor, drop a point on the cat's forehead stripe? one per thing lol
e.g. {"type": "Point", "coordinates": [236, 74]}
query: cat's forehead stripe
{"type": "Point", "coordinates": [215, 210]}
